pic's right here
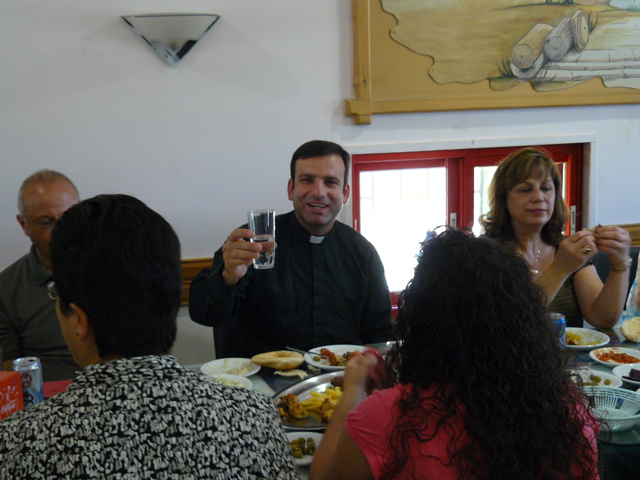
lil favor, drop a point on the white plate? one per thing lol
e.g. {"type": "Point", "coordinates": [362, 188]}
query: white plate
{"type": "Point", "coordinates": [323, 363]}
{"type": "Point", "coordinates": [585, 374]}
{"type": "Point", "coordinates": [629, 351]}
{"type": "Point", "coordinates": [306, 459]}
{"type": "Point", "coordinates": [237, 381]}
{"type": "Point", "coordinates": [623, 371]}
{"type": "Point", "coordinates": [589, 338]}
{"type": "Point", "coordinates": [231, 366]}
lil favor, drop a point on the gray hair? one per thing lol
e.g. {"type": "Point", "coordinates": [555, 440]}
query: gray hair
{"type": "Point", "coordinates": [42, 176]}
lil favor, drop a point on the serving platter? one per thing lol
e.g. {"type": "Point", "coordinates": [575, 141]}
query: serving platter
{"type": "Point", "coordinates": [589, 338]}
{"type": "Point", "coordinates": [231, 366]}
{"type": "Point", "coordinates": [323, 363]}
{"type": "Point", "coordinates": [303, 390]}
{"type": "Point", "coordinates": [594, 354]}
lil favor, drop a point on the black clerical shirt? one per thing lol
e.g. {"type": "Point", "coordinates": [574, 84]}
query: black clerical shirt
{"type": "Point", "coordinates": [322, 291]}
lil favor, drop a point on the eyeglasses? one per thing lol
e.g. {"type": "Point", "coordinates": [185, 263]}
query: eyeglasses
{"type": "Point", "coordinates": [45, 223]}
{"type": "Point", "coordinates": [51, 290]}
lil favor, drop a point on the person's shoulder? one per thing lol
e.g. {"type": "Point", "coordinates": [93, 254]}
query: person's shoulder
{"type": "Point", "coordinates": [35, 416]}
{"type": "Point", "coordinates": [378, 401]}
{"type": "Point", "coordinates": [16, 267]}
{"type": "Point", "coordinates": [348, 234]}
{"type": "Point", "coordinates": [228, 393]}
{"type": "Point", "coordinates": [347, 230]}
{"type": "Point", "coordinates": [229, 400]}
{"type": "Point", "coordinates": [284, 218]}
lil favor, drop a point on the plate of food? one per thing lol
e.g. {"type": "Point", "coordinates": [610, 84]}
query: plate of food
{"type": "Point", "coordinates": [591, 378]}
{"type": "Point", "coordinates": [231, 366]}
{"type": "Point", "coordinates": [309, 404]}
{"type": "Point", "coordinates": [332, 357]}
{"type": "Point", "coordinates": [628, 373]}
{"type": "Point", "coordinates": [303, 446]}
{"type": "Point", "coordinates": [231, 380]}
{"type": "Point", "coordinates": [614, 356]}
{"type": "Point", "coordinates": [585, 338]}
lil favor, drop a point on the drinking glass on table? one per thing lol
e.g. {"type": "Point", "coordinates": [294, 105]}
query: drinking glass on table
{"type": "Point", "coordinates": [263, 225]}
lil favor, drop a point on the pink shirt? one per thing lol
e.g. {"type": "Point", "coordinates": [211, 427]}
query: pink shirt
{"type": "Point", "coordinates": [370, 422]}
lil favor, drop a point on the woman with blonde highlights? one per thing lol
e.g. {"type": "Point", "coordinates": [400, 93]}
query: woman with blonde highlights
{"type": "Point", "coordinates": [528, 214]}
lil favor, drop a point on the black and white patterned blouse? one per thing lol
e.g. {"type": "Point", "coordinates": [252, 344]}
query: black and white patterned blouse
{"type": "Point", "coordinates": [146, 418]}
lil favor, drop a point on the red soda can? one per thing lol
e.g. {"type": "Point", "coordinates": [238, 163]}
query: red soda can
{"type": "Point", "coordinates": [30, 370]}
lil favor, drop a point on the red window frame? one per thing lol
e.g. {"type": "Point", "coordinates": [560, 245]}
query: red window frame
{"type": "Point", "coordinates": [460, 166]}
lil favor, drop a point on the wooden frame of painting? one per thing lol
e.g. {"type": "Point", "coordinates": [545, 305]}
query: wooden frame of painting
{"type": "Point", "coordinates": [392, 78]}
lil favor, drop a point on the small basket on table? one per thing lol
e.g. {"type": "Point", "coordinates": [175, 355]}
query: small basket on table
{"type": "Point", "coordinates": [617, 409]}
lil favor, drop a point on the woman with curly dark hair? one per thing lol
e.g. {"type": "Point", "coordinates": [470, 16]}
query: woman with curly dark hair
{"type": "Point", "coordinates": [482, 389]}
{"type": "Point", "coordinates": [528, 215]}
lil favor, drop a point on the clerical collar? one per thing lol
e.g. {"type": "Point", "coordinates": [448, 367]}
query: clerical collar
{"type": "Point", "coordinates": [314, 239]}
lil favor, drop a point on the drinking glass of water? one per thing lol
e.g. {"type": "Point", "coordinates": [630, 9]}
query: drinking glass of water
{"type": "Point", "coordinates": [263, 225]}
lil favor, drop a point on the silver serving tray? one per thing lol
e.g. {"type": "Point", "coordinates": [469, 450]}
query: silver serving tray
{"type": "Point", "coordinates": [303, 390]}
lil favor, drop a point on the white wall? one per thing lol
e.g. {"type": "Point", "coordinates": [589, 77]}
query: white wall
{"type": "Point", "coordinates": [207, 140]}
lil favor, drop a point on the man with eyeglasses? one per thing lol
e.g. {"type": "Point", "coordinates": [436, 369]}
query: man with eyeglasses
{"type": "Point", "coordinates": [28, 321]}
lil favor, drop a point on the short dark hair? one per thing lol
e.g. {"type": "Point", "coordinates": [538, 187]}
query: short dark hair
{"type": "Point", "coordinates": [120, 262]}
{"type": "Point", "coordinates": [320, 148]}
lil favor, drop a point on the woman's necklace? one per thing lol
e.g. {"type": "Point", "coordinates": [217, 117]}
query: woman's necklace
{"type": "Point", "coordinates": [533, 268]}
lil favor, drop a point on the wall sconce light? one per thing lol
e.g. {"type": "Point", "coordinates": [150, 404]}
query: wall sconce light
{"type": "Point", "coordinates": [171, 35]}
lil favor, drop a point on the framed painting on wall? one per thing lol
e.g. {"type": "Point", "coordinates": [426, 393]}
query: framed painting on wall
{"type": "Point", "coordinates": [435, 55]}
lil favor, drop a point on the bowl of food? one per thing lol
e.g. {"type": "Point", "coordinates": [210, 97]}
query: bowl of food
{"type": "Point", "coordinates": [231, 380]}
{"type": "Point", "coordinates": [628, 373]}
{"type": "Point", "coordinates": [585, 338]}
{"type": "Point", "coordinates": [332, 357]}
{"type": "Point", "coordinates": [614, 356]}
{"type": "Point", "coordinates": [231, 366]}
{"type": "Point", "coordinates": [303, 446]}
{"type": "Point", "coordinates": [591, 378]}
{"type": "Point", "coordinates": [616, 408]}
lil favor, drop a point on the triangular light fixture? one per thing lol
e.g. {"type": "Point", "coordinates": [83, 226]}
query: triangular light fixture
{"type": "Point", "coordinates": [172, 34]}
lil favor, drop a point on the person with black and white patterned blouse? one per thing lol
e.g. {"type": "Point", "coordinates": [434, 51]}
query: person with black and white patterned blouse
{"type": "Point", "coordinates": [134, 412]}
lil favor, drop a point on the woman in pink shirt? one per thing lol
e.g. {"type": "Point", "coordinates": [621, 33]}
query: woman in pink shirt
{"type": "Point", "coordinates": [477, 383]}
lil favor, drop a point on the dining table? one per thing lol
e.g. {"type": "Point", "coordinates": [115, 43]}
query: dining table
{"type": "Point", "coordinates": [267, 382]}
{"type": "Point", "coordinates": [620, 450]}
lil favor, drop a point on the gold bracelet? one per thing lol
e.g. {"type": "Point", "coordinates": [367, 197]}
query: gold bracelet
{"type": "Point", "coordinates": [629, 262]}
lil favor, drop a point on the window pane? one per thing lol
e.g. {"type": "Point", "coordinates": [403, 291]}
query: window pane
{"type": "Point", "coordinates": [481, 179]}
{"type": "Point", "coordinates": [397, 208]}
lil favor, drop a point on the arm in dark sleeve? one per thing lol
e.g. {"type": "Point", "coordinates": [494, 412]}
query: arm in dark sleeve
{"type": "Point", "coordinates": [376, 317]}
{"type": "Point", "coordinates": [211, 301]}
{"type": "Point", "coordinates": [9, 336]}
